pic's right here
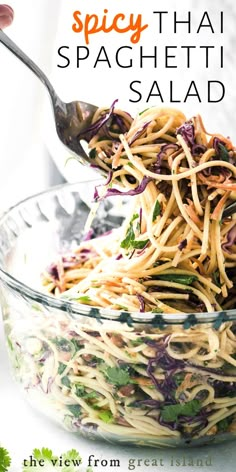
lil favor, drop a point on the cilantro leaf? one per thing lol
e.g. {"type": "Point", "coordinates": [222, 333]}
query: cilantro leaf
{"type": "Point", "coordinates": [73, 458]}
{"type": "Point", "coordinates": [139, 244]}
{"type": "Point", "coordinates": [178, 278]}
{"type": "Point", "coordinates": [117, 376]}
{"type": "Point", "coordinates": [223, 153]}
{"type": "Point", "coordinates": [62, 344]}
{"type": "Point", "coordinates": [81, 392]}
{"type": "Point", "coordinates": [10, 345]}
{"type": "Point", "coordinates": [223, 425]}
{"type": "Point", "coordinates": [83, 299]}
{"type": "Point", "coordinates": [66, 381]}
{"type": "Point", "coordinates": [44, 453]}
{"type": "Point", "coordinates": [67, 462]}
{"type": "Point", "coordinates": [170, 413]}
{"type": "Point", "coordinates": [5, 460]}
{"type": "Point", "coordinates": [61, 368]}
{"type": "Point", "coordinates": [157, 310]}
{"type": "Point", "coordinates": [129, 242]}
{"type": "Point", "coordinates": [75, 410]}
{"type": "Point", "coordinates": [45, 456]}
{"type": "Point", "coordinates": [106, 416]}
{"type": "Point", "coordinates": [93, 153]}
{"type": "Point", "coordinates": [76, 344]}
{"type": "Point", "coordinates": [156, 211]}
{"type": "Point", "coordinates": [130, 236]}
{"type": "Point", "coordinates": [141, 112]}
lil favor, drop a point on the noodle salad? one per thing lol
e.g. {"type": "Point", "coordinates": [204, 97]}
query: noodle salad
{"type": "Point", "coordinates": [174, 254]}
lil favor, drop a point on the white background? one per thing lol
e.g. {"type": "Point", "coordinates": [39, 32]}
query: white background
{"type": "Point", "coordinates": [40, 27]}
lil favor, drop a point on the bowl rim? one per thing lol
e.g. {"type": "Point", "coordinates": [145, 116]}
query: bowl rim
{"type": "Point", "coordinates": [75, 308]}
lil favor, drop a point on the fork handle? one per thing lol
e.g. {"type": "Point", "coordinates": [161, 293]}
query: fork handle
{"type": "Point", "coordinates": [4, 39]}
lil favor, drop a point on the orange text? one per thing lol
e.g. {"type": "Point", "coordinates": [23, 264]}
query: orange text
{"type": "Point", "coordinates": [120, 23]}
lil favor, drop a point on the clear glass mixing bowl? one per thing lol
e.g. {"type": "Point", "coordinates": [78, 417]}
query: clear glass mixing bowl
{"type": "Point", "coordinates": [102, 373]}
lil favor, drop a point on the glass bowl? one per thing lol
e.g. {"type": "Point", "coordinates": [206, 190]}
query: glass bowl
{"type": "Point", "coordinates": [143, 379]}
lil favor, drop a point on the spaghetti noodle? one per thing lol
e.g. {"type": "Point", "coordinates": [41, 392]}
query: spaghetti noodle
{"type": "Point", "coordinates": [174, 253]}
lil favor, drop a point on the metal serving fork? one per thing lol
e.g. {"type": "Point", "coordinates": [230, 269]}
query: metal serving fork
{"type": "Point", "coordinates": [71, 119]}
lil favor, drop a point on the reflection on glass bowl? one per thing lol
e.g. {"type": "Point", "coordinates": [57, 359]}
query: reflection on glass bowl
{"type": "Point", "coordinates": [142, 378]}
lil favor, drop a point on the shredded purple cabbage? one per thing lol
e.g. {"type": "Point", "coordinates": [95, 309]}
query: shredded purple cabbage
{"type": "Point", "coordinates": [157, 166]}
{"type": "Point", "coordinates": [198, 149]}
{"type": "Point", "coordinates": [141, 303]}
{"type": "Point", "coordinates": [138, 133]}
{"type": "Point", "coordinates": [231, 239]}
{"type": "Point", "coordinates": [94, 166]}
{"type": "Point", "coordinates": [94, 128]}
{"type": "Point", "coordinates": [165, 148]}
{"type": "Point", "coordinates": [187, 132]}
{"type": "Point", "coordinates": [109, 178]}
{"type": "Point", "coordinates": [168, 364]}
{"type": "Point", "coordinates": [52, 270]}
{"type": "Point", "coordinates": [89, 235]}
{"type": "Point", "coordinates": [182, 245]}
{"type": "Point", "coordinates": [222, 389]}
{"type": "Point", "coordinates": [118, 120]}
{"type": "Point", "coordinates": [135, 191]}
{"type": "Point", "coordinates": [140, 217]}
{"type": "Point", "coordinates": [149, 402]}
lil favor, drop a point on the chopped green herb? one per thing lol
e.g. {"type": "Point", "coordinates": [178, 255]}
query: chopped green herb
{"type": "Point", "coordinates": [122, 307]}
{"type": "Point", "coordinates": [134, 217]}
{"type": "Point", "coordinates": [157, 310]}
{"type": "Point", "coordinates": [83, 299]}
{"type": "Point", "coordinates": [5, 460]}
{"type": "Point", "coordinates": [140, 244]}
{"type": "Point", "coordinates": [156, 211]}
{"type": "Point", "coordinates": [224, 424]}
{"type": "Point", "coordinates": [171, 413]}
{"type": "Point", "coordinates": [76, 343]}
{"type": "Point", "coordinates": [129, 242]}
{"type": "Point", "coordinates": [106, 416]}
{"type": "Point", "coordinates": [66, 381]}
{"type": "Point", "coordinates": [61, 368]}
{"type": "Point", "coordinates": [223, 153]}
{"type": "Point", "coordinates": [129, 238]}
{"type": "Point", "coordinates": [178, 278]}
{"type": "Point", "coordinates": [10, 345]}
{"type": "Point", "coordinates": [137, 342]}
{"type": "Point", "coordinates": [36, 307]}
{"type": "Point", "coordinates": [81, 392]}
{"type": "Point", "coordinates": [216, 278]}
{"type": "Point", "coordinates": [72, 297]}
{"type": "Point", "coordinates": [178, 378]}
{"type": "Point", "coordinates": [117, 376]}
{"type": "Point", "coordinates": [75, 410]}
{"type": "Point", "coordinates": [93, 153]}
{"type": "Point", "coordinates": [141, 340]}
{"type": "Point", "coordinates": [141, 112]}
{"type": "Point", "coordinates": [62, 343]}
